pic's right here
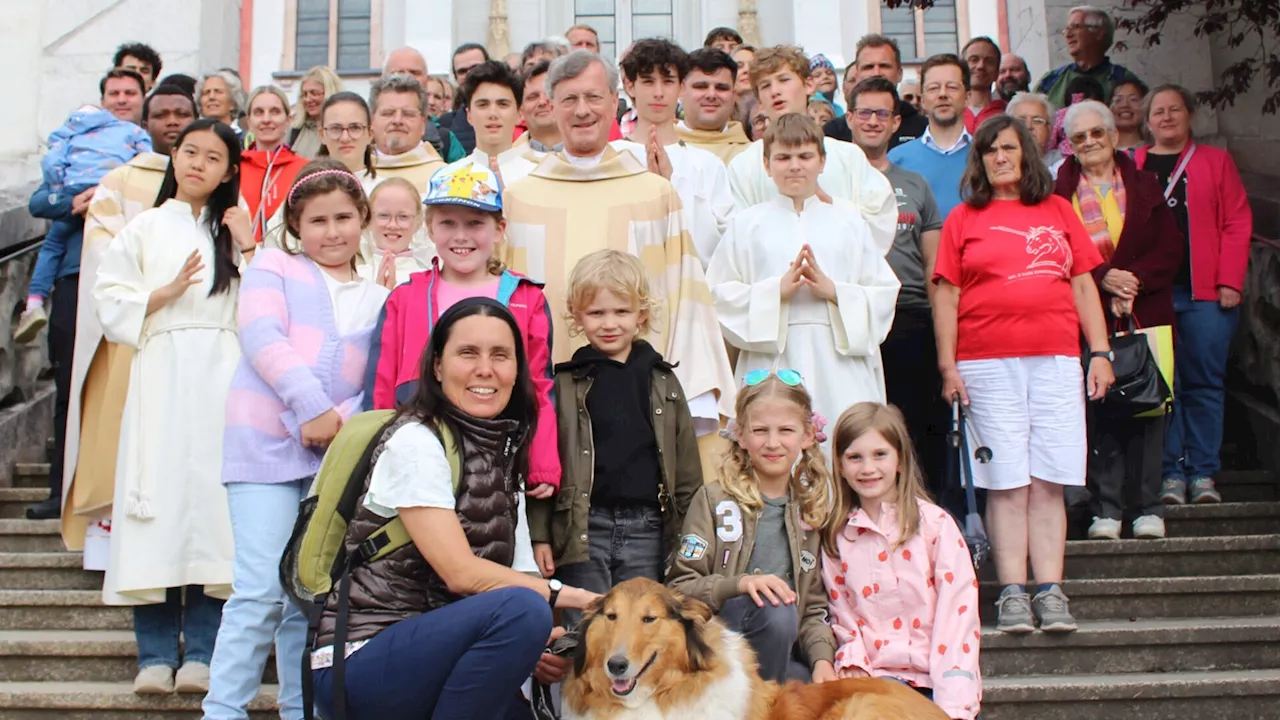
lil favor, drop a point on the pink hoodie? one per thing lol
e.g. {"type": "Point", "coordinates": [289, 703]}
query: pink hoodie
{"type": "Point", "coordinates": [909, 613]}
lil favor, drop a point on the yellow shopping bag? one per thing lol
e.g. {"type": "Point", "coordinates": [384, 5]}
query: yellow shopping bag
{"type": "Point", "coordinates": [1160, 341]}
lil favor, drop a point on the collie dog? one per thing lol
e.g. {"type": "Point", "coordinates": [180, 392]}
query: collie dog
{"type": "Point", "coordinates": [647, 652]}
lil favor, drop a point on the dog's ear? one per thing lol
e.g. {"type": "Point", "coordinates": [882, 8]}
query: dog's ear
{"type": "Point", "coordinates": [580, 653]}
{"type": "Point", "coordinates": [694, 616]}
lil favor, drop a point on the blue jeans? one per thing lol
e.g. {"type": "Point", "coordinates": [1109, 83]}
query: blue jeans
{"type": "Point", "coordinates": [464, 661]}
{"type": "Point", "coordinates": [157, 628]}
{"type": "Point", "coordinates": [1194, 433]}
{"type": "Point", "coordinates": [772, 631]}
{"type": "Point", "coordinates": [60, 254]}
{"type": "Point", "coordinates": [258, 613]}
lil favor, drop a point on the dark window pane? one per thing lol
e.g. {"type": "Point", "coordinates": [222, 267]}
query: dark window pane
{"type": "Point", "coordinates": [602, 24]}
{"type": "Point", "coordinates": [354, 34]}
{"type": "Point", "coordinates": [353, 8]}
{"type": "Point", "coordinates": [935, 43]}
{"type": "Point", "coordinates": [650, 26]}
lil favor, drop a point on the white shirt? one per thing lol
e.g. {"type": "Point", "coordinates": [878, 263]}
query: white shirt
{"type": "Point", "coordinates": [356, 304]}
{"type": "Point", "coordinates": [414, 472]}
{"type": "Point", "coordinates": [962, 144]}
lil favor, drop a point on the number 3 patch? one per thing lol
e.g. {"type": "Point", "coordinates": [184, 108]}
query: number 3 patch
{"type": "Point", "coordinates": [730, 517]}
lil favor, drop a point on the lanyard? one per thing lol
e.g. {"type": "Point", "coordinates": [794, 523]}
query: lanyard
{"type": "Point", "coordinates": [1177, 174]}
{"type": "Point", "coordinates": [260, 218]}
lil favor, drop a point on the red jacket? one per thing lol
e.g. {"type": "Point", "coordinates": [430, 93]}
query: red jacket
{"type": "Point", "coordinates": [993, 108]}
{"type": "Point", "coordinates": [1150, 246]}
{"type": "Point", "coordinates": [1219, 220]}
{"type": "Point", "coordinates": [253, 174]}
{"type": "Point", "coordinates": [401, 336]}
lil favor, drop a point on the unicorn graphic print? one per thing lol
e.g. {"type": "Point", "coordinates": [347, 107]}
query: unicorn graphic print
{"type": "Point", "coordinates": [1049, 251]}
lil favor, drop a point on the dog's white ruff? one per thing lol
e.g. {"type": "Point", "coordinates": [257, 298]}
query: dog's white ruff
{"type": "Point", "coordinates": [728, 698]}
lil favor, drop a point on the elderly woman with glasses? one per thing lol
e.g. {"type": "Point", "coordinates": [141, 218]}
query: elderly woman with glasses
{"type": "Point", "coordinates": [1203, 188]}
{"type": "Point", "coordinates": [1014, 292]}
{"type": "Point", "coordinates": [1124, 212]}
{"type": "Point", "coordinates": [1037, 113]}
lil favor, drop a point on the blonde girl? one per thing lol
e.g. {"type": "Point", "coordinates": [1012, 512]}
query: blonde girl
{"type": "Point", "coordinates": [751, 540]}
{"type": "Point", "coordinates": [396, 208]}
{"type": "Point", "coordinates": [904, 597]}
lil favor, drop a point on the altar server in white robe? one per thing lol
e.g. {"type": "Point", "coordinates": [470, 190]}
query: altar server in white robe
{"type": "Point", "coordinates": [167, 286]}
{"type": "Point", "coordinates": [800, 284]}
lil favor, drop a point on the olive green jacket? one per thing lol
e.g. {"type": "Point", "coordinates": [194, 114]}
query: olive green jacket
{"type": "Point", "coordinates": [561, 520]}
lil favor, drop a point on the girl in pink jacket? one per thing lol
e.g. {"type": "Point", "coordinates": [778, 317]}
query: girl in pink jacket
{"type": "Point", "coordinates": [903, 594]}
{"type": "Point", "coordinates": [464, 220]}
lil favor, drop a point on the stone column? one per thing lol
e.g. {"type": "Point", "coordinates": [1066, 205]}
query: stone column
{"type": "Point", "coordinates": [499, 40]}
{"type": "Point", "coordinates": [747, 26]}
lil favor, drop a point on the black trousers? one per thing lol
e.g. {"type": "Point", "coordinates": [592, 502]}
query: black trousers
{"type": "Point", "coordinates": [913, 384]}
{"type": "Point", "coordinates": [62, 339]}
{"type": "Point", "coordinates": [1124, 464]}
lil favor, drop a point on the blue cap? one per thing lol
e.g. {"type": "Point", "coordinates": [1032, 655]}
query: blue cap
{"type": "Point", "coordinates": [465, 183]}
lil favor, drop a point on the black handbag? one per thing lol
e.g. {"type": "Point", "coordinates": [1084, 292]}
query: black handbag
{"type": "Point", "coordinates": [1140, 386]}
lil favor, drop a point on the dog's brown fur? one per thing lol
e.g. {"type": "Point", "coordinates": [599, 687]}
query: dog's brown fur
{"type": "Point", "coordinates": [689, 652]}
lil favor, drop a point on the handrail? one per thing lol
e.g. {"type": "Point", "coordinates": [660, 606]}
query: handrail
{"type": "Point", "coordinates": [17, 250]}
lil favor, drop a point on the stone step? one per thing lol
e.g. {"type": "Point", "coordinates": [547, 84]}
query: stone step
{"type": "Point", "coordinates": [31, 475]}
{"type": "Point", "coordinates": [1173, 597]}
{"type": "Point", "coordinates": [60, 610]}
{"type": "Point", "coordinates": [46, 571]}
{"type": "Point", "coordinates": [1199, 695]}
{"type": "Point", "coordinates": [109, 701]}
{"type": "Point", "coordinates": [30, 536]}
{"type": "Point", "coordinates": [1171, 557]}
{"type": "Point", "coordinates": [74, 656]}
{"type": "Point", "coordinates": [1142, 646]}
{"type": "Point", "coordinates": [1238, 486]}
{"type": "Point", "coordinates": [14, 501]}
{"type": "Point", "coordinates": [1247, 518]}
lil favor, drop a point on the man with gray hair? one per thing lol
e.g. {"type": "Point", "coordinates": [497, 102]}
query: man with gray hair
{"type": "Point", "coordinates": [591, 197]}
{"type": "Point", "coordinates": [406, 60]}
{"type": "Point", "coordinates": [1090, 32]}
{"type": "Point", "coordinates": [399, 107]}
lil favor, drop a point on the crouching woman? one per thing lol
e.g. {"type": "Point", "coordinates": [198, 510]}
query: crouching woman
{"type": "Point", "coordinates": [449, 626]}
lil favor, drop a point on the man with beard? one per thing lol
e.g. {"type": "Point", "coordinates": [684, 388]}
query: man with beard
{"type": "Point", "coordinates": [1013, 78]}
{"type": "Point", "coordinates": [983, 56]}
{"type": "Point", "coordinates": [708, 99]}
{"type": "Point", "coordinates": [878, 56]}
{"type": "Point", "coordinates": [100, 369]}
{"type": "Point", "coordinates": [941, 153]}
{"type": "Point", "coordinates": [399, 107]}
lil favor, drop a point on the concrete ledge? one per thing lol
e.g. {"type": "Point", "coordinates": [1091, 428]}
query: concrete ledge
{"type": "Point", "coordinates": [25, 430]}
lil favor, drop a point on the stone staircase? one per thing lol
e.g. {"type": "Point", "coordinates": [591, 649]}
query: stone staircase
{"type": "Point", "coordinates": [63, 654]}
{"type": "Point", "coordinates": [1186, 628]}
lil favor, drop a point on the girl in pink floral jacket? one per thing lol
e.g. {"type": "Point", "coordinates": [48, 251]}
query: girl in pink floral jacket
{"type": "Point", "coordinates": [903, 594]}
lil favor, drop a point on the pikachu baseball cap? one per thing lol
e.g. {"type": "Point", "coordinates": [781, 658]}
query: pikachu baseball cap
{"type": "Point", "coordinates": [465, 183]}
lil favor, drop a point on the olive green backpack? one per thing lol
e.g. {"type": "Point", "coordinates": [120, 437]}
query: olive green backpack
{"type": "Point", "coordinates": [315, 560]}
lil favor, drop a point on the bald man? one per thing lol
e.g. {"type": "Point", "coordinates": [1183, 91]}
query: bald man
{"type": "Point", "coordinates": [408, 61]}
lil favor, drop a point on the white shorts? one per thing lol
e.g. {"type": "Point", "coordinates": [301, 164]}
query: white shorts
{"type": "Point", "coordinates": [1030, 412]}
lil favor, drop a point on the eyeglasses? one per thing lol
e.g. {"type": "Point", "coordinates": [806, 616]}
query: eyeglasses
{"type": "Point", "coordinates": [392, 113]}
{"type": "Point", "coordinates": [909, 97]}
{"type": "Point", "coordinates": [868, 113]}
{"type": "Point", "coordinates": [1093, 134]}
{"type": "Point", "coordinates": [594, 100]}
{"type": "Point", "coordinates": [355, 130]}
{"type": "Point", "coordinates": [1034, 121]}
{"type": "Point", "coordinates": [790, 378]}
{"type": "Point", "coordinates": [1076, 27]}
{"type": "Point", "coordinates": [385, 218]}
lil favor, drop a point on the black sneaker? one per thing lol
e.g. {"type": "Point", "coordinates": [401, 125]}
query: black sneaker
{"type": "Point", "coordinates": [45, 510]}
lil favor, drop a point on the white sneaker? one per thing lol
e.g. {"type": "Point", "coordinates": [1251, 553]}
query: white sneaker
{"type": "Point", "coordinates": [1148, 527]}
{"type": "Point", "coordinates": [1104, 529]}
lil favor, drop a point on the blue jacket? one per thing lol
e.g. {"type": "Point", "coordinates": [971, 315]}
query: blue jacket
{"type": "Point", "coordinates": [92, 143]}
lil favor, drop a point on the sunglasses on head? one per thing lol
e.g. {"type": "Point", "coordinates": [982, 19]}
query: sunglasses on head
{"type": "Point", "coordinates": [788, 377]}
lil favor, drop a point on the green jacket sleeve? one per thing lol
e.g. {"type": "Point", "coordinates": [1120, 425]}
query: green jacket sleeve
{"type": "Point", "coordinates": [693, 569]}
{"type": "Point", "coordinates": [816, 636]}
{"type": "Point", "coordinates": [539, 516]}
{"type": "Point", "coordinates": [689, 478]}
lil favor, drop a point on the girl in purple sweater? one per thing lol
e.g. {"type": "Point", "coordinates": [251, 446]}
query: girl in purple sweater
{"type": "Point", "coordinates": [305, 322]}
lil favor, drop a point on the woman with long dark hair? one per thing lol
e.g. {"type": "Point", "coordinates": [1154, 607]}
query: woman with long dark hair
{"type": "Point", "coordinates": [167, 286]}
{"type": "Point", "coordinates": [444, 627]}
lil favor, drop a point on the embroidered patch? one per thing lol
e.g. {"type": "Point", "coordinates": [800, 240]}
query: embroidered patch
{"type": "Point", "coordinates": [692, 547]}
{"type": "Point", "coordinates": [730, 517]}
{"type": "Point", "coordinates": [807, 561]}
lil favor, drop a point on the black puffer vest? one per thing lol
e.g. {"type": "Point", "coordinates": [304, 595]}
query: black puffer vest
{"type": "Point", "coordinates": [402, 584]}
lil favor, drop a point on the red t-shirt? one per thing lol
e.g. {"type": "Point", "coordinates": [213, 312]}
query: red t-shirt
{"type": "Point", "coordinates": [1013, 264]}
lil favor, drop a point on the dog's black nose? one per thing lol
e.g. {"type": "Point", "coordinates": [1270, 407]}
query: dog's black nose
{"type": "Point", "coordinates": [617, 665]}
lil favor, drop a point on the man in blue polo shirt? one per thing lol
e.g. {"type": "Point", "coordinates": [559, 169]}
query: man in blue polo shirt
{"type": "Point", "coordinates": [941, 153]}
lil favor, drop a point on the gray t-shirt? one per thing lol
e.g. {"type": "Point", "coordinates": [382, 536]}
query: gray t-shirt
{"type": "Point", "coordinates": [771, 554]}
{"type": "Point", "coordinates": [917, 213]}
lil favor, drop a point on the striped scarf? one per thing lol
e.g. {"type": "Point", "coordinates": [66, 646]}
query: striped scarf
{"type": "Point", "coordinates": [1095, 221]}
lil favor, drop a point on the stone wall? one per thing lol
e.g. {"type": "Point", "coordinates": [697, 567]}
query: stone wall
{"type": "Point", "coordinates": [19, 364]}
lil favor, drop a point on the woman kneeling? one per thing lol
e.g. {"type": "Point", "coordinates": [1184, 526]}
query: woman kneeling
{"type": "Point", "coordinates": [448, 627]}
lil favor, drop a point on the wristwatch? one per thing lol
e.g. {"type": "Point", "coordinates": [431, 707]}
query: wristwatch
{"type": "Point", "coordinates": [1106, 354]}
{"type": "Point", "coordinates": [556, 586]}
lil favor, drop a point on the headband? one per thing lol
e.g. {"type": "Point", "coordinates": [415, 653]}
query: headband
{"type": "Point", "coordinates": [322, 173]}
